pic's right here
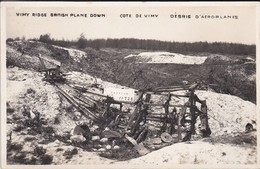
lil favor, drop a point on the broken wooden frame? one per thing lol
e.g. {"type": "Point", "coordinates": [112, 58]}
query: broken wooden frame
{"type": "Point", "coordinates": [100, 111]}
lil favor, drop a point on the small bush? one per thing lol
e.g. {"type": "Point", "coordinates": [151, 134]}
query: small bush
{"type": "Point", "coordinates": [19, 128]}
{"type": "Point", "coordinates": [20, 158]}
{"type": "Point", "coordinates": [9, 40]}
{"type": "Point", "coordinates": [30, 91]}
{"type": "Point", "coordinates": [14, 147]}
{"type": "Point", "coordinates": [31, 161]}
{"type": "Point", "coordinates": [69, 109]}
{"type": "Point", "coordinates": [59, 149]}
{"type": "Point", "coordinates": [69, 153]}
{"type": "Point", "coordinates": [46, 159]}
{"type": "Point", "coordinates": [56, 120]}
{"type": "Point", "coordinates": [38, 151]}
{"type": "Point", "coordinates": [11, 62]}
{"type": "Point", "coordinates": [9, 109]}
{"type": "Point", "coordinates": [46, 38]}
{"type": "Point", "coordinates": [28, 139]}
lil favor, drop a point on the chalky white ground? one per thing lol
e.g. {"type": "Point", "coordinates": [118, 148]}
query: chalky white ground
{"type": "Point", "coordinates": [167, 57]}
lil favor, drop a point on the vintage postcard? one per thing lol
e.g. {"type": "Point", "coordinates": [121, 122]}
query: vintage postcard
{"type": "Point", "coordinates": [129, 85]}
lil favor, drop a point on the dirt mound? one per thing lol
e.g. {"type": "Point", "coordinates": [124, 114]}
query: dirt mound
{"type": "Point", "coordinates": [19, 59]}
{"type": "Point", "coordinates": [218, 59]}
{"type": "Point", "coordinates": [166, 57]}
{"type": "Point", "coordinates": [228, 114]}
{"type": "Point", "coordinates": [24, 55]}
{"type": "Point", "coordinates": [198, 152]}
{"type": "Point", "coordinates": [26, 89]}
{"type": "Point", "coordinates": [238, 80]}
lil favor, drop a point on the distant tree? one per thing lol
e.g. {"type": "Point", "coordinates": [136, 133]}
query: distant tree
{"type": "Point", "coordinates": [148, 44]}
{"type": "Point", "coordinates": [82, 41]}
{"type": "Point", "coordinates": [17, 39]}
{"type": "Point", "coordinates": [32, 39]}
{"type": "Point", "coordinates": [46, 38]}
{"type": "Point", "coordinates": [9, 40]}
{"type": "Point", "coordinates": [23, 39]}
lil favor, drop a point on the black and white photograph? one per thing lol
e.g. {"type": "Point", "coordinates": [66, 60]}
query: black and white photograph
{"type": "Point", "coordinates": [129, 85]}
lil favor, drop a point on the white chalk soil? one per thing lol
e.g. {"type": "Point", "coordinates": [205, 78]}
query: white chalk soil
{"type": "Point", "coordinates": [167, 57]}
{"type": "Point", "coordinates": [228, 144]}
{"type": "Point", "coordinates": [197, 152]}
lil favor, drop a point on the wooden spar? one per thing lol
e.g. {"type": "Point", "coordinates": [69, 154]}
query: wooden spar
{"type": "Point", "coordinates": [141, 116]}
{"type": "Point", "coordinates": [168, 90]}
{"type": "Point", "coordinates": [133, 115]}
{"type": "Point", "coordinates": [172, 87]}
{"type": "Point", "coordinates": [170, 105]}
{"type": "Point", "coordinates": [92, 104]}
{"type": "Point", "coordinates": [78, 106]}
{"type": "Point", "coordinates": [179, 127]}
{"type": "Point", "coordinates": [150, 117]}
{"type": "Point", "coordinates": [166, 94]}
{"type": "Point", "coordinates": [86, 97]}
{"type": "Point", "coordinates": [42, 63]}
{"type": "Point", "coordinates": [90, 99]}
{"type": "Point", "coordinates": [166, 109]}
{"type": "Point", "coordinates": [156, 120]}
{"type": "Point", "coordinates": [192, 102]}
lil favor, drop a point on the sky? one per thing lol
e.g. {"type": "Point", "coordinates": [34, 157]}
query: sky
{"type": "Point", "coordinates": [240, 28]}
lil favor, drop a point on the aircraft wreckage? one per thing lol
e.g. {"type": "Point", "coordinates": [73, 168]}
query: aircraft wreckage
{"type": "Point", "coordinates": [174, 123]}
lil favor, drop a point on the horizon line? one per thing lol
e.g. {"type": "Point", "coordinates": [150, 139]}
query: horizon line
{"type": "Point", "coordinates": [74, 40]}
